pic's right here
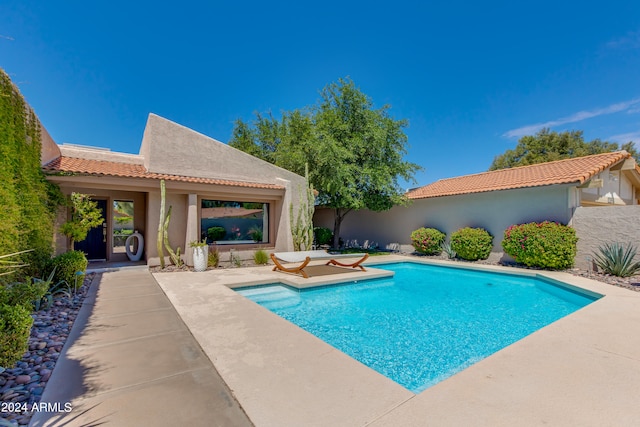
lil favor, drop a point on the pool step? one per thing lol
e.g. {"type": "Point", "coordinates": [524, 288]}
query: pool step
{"type": "Point", "coordinates": [272, 297]}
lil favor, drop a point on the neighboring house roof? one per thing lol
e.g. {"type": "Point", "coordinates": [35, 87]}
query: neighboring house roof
{"type": "Point", "coordinates": [569, 171]}
{"type": "Point", "coordinates": [86, 167]}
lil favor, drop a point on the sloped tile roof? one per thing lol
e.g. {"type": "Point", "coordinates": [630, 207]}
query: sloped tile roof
{"type": "Point", "coordinates": [75, 166]}
{"type": "Point", "coordinates": [576, 170]}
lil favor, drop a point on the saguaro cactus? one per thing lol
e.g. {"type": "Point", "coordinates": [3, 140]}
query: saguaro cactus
{"type": "Point", "coordinates": [163, 233]}
{"type": "Point", "coordinates": [302, 227]}
{"type": "Point", "coordinates": [161, 225]}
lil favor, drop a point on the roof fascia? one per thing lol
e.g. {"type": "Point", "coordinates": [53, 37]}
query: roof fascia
{"type": "Point", "coordinates": [153, 185]}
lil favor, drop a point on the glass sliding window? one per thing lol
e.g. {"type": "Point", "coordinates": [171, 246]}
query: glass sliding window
{"type": "Point", "coordinates": [122, 223]}
{"type": "Point", "coordinates": [225, 222]}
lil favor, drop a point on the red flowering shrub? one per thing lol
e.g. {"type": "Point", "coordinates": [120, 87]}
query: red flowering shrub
{"type": "Point", "coordinates": [427, 241]}
{"type": "Point", "coordinates": [541, 244]}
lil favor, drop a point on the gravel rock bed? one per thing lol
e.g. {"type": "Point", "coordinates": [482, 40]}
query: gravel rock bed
{"type": "Point", "coordinates": [21, 387]}
{"type": "Point", "coordinates": [631, 283]}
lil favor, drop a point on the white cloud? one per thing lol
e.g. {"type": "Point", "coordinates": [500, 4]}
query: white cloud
{"type": "Point", "coordinates": [630, 41]}
{"type": "Point", "coordinates": [576, 117]}
{"type": "Point", "coordinates": [623, 138]}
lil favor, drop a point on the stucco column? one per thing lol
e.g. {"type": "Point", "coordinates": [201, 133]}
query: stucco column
{"type": "Point", "coordinates": [284, 239]}
{"type": "Point", "coordinates": [192, 228]}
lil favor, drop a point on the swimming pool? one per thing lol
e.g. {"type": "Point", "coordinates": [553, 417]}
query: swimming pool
{"type": "Point", "coordinates": [426, 323]}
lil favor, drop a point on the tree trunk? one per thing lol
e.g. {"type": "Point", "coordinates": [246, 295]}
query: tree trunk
{"type": "Point", "coordinates": [337, 222]}
{"type": "Point", "coordinates": [336, 229]}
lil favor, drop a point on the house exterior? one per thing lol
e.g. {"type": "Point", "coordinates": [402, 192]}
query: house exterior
{"type": "Point", "coordinates": [209, 185]}
{"type": "Point", "coordinates": [588, 188]}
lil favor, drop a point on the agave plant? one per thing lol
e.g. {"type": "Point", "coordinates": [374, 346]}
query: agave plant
{"type": "Point", "coordinates": [617, 260]}
{"type": "Point", "coordinates": [10, 265]}
{"type": "Point", "coordinates": [447, 249]}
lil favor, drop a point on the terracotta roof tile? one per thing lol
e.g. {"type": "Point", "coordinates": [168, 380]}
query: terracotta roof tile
{"type": "Point", "coordinates": [75, 166]}
{"type": "Point", "coordinates": [576, 170]}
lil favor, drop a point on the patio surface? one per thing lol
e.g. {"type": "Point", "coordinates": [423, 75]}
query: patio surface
{"type": "Point", "coordinates": [582, 370]}
{"type": "Point", "coordinates": [131, 361]}
{"type": "Point", "coordinates": [206, 356]}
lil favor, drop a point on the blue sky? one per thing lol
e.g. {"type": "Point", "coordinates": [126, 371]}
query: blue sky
{"type": "Point", "coordinates": [471, 77]}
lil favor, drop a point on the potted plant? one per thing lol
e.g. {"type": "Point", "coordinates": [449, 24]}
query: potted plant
{"type": "Point", "coordinates": [200, 254]}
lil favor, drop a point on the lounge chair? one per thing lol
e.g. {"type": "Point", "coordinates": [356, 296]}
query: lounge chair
{"type": "Point", "coordinates": [305, 257]}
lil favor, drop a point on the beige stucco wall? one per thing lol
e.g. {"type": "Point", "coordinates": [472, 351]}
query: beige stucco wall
{"type": "Point", "coordinates": [177, 224]}
{"type": "Point", "coordinates": [494, 211]}
{"type": "Point", "coordinates": [94, 153]}
{"type": "Point", "coordinates": [168, 147]}
{"type": "Point", "coordinates": [49, 149]}
{"type": "Point", "coordinates": [596, 226]}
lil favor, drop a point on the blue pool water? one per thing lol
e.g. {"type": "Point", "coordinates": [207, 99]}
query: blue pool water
{"type": "Point", "coordinates": [426, 323]}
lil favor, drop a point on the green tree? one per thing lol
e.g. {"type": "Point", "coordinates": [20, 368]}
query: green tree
{"type": "Point", "coordinates": [547, 146]}
{"type": "Point", "coordinates": [354, 151]}
{"type": "Point", "coordinates": [85, 214]}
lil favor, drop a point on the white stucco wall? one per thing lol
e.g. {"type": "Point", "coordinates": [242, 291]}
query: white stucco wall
{"type": "Point", "coordinates": [494, 211]}
{"type": "Point", "coordinates": [616, 189]}
{"type": "Point", "coordinates": [596, 226]}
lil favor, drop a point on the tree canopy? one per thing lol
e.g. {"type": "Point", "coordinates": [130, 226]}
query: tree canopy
{"type": "Point", "coordinates": [85, 215]}
{"type": "Point", "coordinates": [547, 146]}
{"type": "Point", "coordinates": [354, 151]}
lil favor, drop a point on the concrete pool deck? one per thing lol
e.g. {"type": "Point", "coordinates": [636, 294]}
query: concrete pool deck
{"type": "Point", "coordinates": [581, 370]}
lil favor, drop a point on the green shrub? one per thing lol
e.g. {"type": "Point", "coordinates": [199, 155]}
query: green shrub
{"type": "Point", "coordinates": [260, 257]}
{"type": "Point", "coordinates": [544, 245]}
{"type": "Point", "coordinates": [323, 235]}
{"type": "Point", "coordinates": [472, 243]}
{"type": "Point", "coordinates": [213, 258]}
{"type": "Point", "coordinates": [427, 241]}
{"type": "Point", "coordinates": [216, 233]}
{"type": "Point", "coordinates": [66, 266]}
{"type": "Point", "coordinates": [617, 260]}
{"type": "Point", "coordinates": [27, 294]}
{"type": "Point", "coordinates": [15, 326]}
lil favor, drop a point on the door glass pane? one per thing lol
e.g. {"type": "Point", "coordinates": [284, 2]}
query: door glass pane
{"type": "Point", "coordinates": [122, 223]}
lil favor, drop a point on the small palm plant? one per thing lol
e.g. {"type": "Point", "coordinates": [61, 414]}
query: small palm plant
{"type": "Point", "coordinates": [617, 260]}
